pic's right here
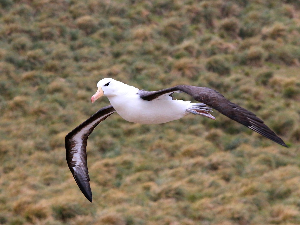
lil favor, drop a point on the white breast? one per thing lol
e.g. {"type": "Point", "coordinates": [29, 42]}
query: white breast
{"type": "Point", "coordinates": [133, 109]}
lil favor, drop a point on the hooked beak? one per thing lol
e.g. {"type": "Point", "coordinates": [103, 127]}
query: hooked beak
{"type": "Point", "coordinates": [97, 95]}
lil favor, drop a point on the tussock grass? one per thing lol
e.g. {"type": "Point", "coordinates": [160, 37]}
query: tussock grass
{"type": "Point", "coordinates": [230, 9]}
{"type": "Point", "coordinates": [186, 48]}
{"type": "Point", "coordinates": [64, 212]}
{"type": "Point", "coordinates": [143, 33]}
{"type": "Point", "coordinates": [87, 24]}
{"type": "Point", "coordinates": [111, 218]}
{"type": "Point", "coordinates": [229, 27]}
{"type": "Point", "coordinates": [278, 30]}
{"type": "Point", "coordinates": [218, 64]}
{"type": "Point", "coordinates": [217, 46]}
{"type": "Point", "coordinates": [78, 9]}
{"type": "Point", "coordinates": [186, 67]}
{"type": "Point", "coordinates": [192, 171]}
{"type": "Point", "coordinates": [280, 213]}
{"type": "Point", "coordinates": [175, 30]}
{"type": "Point", "coordinates": [264, 77]}
{"type": "Point", "coordinates": [255, 56]}
{"type": "Point", "coordinates": [21, 44]}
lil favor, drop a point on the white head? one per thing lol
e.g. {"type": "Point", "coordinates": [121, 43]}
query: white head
{"type": "Point", "coordinates": [108, 87]}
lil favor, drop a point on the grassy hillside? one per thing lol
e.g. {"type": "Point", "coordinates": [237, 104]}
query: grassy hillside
{"type": "Point", "coordinates": [192, 171]}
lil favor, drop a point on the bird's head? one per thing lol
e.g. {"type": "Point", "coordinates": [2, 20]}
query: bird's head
{"type": "Point", "coordinates": [108, 87]}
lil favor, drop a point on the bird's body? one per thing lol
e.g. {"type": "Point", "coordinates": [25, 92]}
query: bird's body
{"type": "Point", "coordinates": [130, 106]}
{"type": "Point", "coordinates": [151, 107]}
{"type": "Point", "coordinates": [136, 110]}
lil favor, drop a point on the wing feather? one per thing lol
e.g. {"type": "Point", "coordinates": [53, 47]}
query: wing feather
{"type": "Point", "coordinates": [76, 142]}
{"type": "Point", "coordinates": [217, 101]}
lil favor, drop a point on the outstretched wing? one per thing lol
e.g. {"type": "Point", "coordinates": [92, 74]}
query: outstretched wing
{"type": "Point", "coordinates": [217, 101]}
{"type": "Point", "coordinates": [75, 143]}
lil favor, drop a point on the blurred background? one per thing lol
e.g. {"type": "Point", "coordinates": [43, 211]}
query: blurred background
{"type": "Point", "coordinates": [191, 171]}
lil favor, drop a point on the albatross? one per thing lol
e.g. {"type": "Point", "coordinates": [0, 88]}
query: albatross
{"type": "Point", "coordinates": [151, 107]}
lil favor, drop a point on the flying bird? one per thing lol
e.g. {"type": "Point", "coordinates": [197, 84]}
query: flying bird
{"type": "Point", "coordinates": [151, 107]}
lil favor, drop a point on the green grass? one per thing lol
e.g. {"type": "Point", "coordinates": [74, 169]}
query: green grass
{"type": "Point", "coordinates": [191, 171]}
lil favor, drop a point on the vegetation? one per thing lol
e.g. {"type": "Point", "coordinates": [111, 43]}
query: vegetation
{"type": "Point", "coordinates": [192, 171]}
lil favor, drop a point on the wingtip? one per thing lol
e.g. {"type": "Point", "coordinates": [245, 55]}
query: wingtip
{"type": "Point", "coordinates": [85, 189]}
{"type": "Point", "coordinates": [89, 197]}
{"type": "Point", "coordinates": [278, 140]}
{"type": "Point", "coordinates": [87, 192]}
{"type": "Point", "coordinates": [284, 145]}
{"type": "Point", "coordinates": [83, 183]}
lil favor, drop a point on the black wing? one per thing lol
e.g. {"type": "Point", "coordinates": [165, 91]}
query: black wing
{"type": "Point", "coordinates": [217, 101]}
{"type": "Point", "coordinates": [75, 143]}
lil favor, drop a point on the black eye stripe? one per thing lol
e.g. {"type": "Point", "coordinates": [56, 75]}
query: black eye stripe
{"type": "Point", "coordinates": [106, 84]}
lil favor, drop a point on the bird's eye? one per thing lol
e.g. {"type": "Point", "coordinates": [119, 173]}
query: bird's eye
{"type": "Point", "coordinates": [106, 84]}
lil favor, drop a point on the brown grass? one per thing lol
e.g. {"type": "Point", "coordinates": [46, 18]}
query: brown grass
{"type": "Point", "coordinates": [191, 171]}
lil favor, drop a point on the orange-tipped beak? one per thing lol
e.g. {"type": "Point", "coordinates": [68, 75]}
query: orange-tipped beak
{"type": "Point", "coordinates": [97, 95]}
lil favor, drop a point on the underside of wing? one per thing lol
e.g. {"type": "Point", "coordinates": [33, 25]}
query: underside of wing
{"type": "Point", "coordinates": [76, 142]}
{"type": "Point", "coordinates": [217, 101]}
